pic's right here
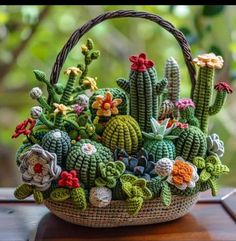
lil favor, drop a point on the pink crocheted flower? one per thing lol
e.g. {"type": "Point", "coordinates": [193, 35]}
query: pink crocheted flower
{"type": "Point", "coordinates": [69, 179]}
{"type": "Point", "coordinates": [78, 109]}
{"type": "Point", "coordinates": [182, 104]}
{"type": "Point", "coordinates": [223, 86]}
{"type": "Point", "coordinates": [140, 62]}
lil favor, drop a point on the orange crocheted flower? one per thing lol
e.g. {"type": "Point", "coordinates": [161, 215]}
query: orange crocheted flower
{"type": "Point", "coordinates": [105, 105]}
{"type": "Point", "coordinates": [209, 60]}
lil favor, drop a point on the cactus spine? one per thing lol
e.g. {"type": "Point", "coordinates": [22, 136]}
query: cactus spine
{"type": "Point", "coordinates": [122, 131]}
{"type": "Point", "coordinates": [143, 89]}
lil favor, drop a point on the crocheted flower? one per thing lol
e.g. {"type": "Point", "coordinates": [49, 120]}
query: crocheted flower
{"type": "Point", "coordinates": [84, 48]}
{"type": "Point", "coordinates": [105, 105]}
{"type": "Point", "coordinates": [182, 104]}
{"type": "Point", "coordinates": [24, 128]}
{"type": "Point", "coordinates": [223, 86]}
{"type": "Point", "coordinates": [83, 100]}
{"type": "Point", "coordinates": [183, 175]}
{"type": "Point", "coordinates": [69, 179]}
{"type": "Point", "coordinates": [60, 108]}
{"type": "Point", "coordinates": [88, 149]}
{"type": "Point", "coordinates": [78, 109]}
{"type": "Point", "coordinates": [36, 112]}
{"type": "Point", "coordinates": [72, 70]}
{"type": "Point", "coordinates": [109, 173]}
{"type": "Point", "coordinates": [35, 93]}
{"type": "Point", "coordinates": [209, 60]}
{"type": "Point", "coordinates": [100, 196]}
{"type": "Point", "coordinates": [164, 167]}
{"type": "Point", "coordinates": [215, 145]}
{"type": "Point", "coordinates": [140, 62]}
{"type": "Point", "coordinates": [90, 83]}
{"type": "Point", "coordinates": [39, 167]}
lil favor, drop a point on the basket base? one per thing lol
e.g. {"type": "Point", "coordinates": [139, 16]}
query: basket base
{"type": "Point", "coordinates": [115, 215]}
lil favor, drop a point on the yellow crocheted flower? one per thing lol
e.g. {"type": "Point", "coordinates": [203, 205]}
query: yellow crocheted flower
{"type": "Point", "coordinates": [91, 83]}
{"type": "Point", "coordinates": [60, 108]}
{"type": "Point", "coordinates": [210, 60]}
{"type": "Point", "coordinates": [74, 70]}
{"type": "Point", "coordinates": [84, 48]}
{"type": "Point", "coordinates": [105, 105]}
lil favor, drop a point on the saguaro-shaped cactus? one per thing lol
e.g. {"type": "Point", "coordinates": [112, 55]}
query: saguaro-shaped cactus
{"type": "Point", "coordinates": [202, 92]}
{"type": "Point", "coordinates": [143, 88]}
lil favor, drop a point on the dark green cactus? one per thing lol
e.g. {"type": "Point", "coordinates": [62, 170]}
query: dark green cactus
{"type": "Point", "coordinates": [22, 149]}
{"type": "Point", "coordinates": [143, 88]}
{"type": "Point", "coordinates": [58, 142]}
{"type": "Point", "coordinates": [191, 143]}
{"type": "Point", "coordinates": [122, 131]}
{"type": "Point", "coordinates": [84, 157]}
{"type": "Point", "coordinates": [159, 143]}
{"type": "Point", "coordinates": [38, 132]}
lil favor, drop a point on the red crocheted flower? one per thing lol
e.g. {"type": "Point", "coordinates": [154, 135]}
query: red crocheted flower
{"type": "Point", "coordinates": [69, 179]}
{"type": "Point", "coordinates": [22, 128]}
{"type": "Point", "coordinates": [140, 62]}
{"type": "Point", "coordinates": [223, 86]}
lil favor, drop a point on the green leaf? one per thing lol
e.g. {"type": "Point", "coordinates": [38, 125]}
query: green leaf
{"type": "Point", "coordinates": [100, 182]}
{"type": "Point", "coordinates": [23, 191]}
{"type": "Point", "coordinates": [111, 182]}
{"type": "Point", "coordinates": [204, 176]}
{"type": "Point", "coordinates": [79, 198]}
{"type": "Point", "coordinates": [199, 162]}
{"type": "Point", "coordinates": [166, 194]}
{"type": "Point", "coordinates": [220, 169]}
{"type": "Point", "coordinates": [128, 178]}
{"type": "Point", "coordinates": [60, 194]}
{"type": "Point", "coordinates": [127, 188]}
{"type": "Point", "coordinates": [38, 196]}
{"type": "Point", "coordinates": [134, 205]}
{"type": "Point", "coordinates": [147, 194]}
{"type": "Point", "coordinates": [154, 126]}
{"type": "Point", "coordinates": [213, 159]}
{"type": "Point", "coordinates": [141, 182]}
{"type": "Point", "coordinates": [120, 166]}
{"type": "Point", "coordinates": [214, 186]}
{"type": "Point", "coordinates": [212, 10]}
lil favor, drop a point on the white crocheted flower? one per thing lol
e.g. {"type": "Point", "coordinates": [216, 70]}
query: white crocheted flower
{"type": "Point", "coordinates": [88, 148]}
{"type": "Point", "coordinates": [36, 112]}
{"type": "Point", "coordinates": [164, 167]}
{"type": "Point", "coordinates": [215, 145]}
{"type": "Point", "coordinates": [35, 93]}
{"type": "Point", "coordinates": [100, 196]}
{"type": "Point", "coordinates": [39, 167]}
{"type": "Point", "coordinates": [83, 100]}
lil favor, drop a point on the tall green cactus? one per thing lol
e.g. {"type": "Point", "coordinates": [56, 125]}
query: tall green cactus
{"type": "Point", "coordinates": [122, 131]}
{"type": "Point", "coordinates": [203, 90]}
{"type": "Point", "coordinates": [143, 88]}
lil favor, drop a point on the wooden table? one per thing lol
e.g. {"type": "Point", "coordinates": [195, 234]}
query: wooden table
{"type": "Point", "coordinates": [210, 219]}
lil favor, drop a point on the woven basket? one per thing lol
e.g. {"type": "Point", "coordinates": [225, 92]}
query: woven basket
{"type": "Point", "coordinates": [115, 214]}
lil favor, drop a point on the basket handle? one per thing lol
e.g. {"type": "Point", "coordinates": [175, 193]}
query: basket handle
{"type": "Point", "coordinates": [75, 37]}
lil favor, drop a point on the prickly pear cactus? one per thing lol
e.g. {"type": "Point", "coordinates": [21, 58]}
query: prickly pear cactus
{"type": "Point", "coordinates": [84, 157]}
{"type": "Point", "coordinates": [122, 132]}
{"type": "Point", "coordinates": [58, 142]}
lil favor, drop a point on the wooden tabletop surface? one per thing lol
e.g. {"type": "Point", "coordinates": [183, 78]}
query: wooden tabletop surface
{"type": "Point", "coordinates": [210, 219]}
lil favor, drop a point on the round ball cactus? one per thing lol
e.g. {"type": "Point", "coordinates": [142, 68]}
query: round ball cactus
{"type": "Point", "coordinates": [122, 131]}
{"type": "Point", "coordinates": [84, 157]}
{"type": "Point", "coordinates": [58, 142]}
{"type": "Point", "coordinates": [100, 196]}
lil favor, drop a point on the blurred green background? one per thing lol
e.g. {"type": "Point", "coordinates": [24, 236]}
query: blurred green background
{"type": "Point", "coordinates": [32, 36]}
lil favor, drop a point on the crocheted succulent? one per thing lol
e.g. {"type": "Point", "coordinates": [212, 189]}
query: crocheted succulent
{"type": "Point", "coordinates": [140, 165]}
{"type": "Point", "coordinates": [159, 141]}
{"type": "Point", "coordinates": [100, 196]}
{"type": "Point", "coordinates": [136, 190]}
{"type": "Point", "coordinates": [211, 169]}
{"type": "Point", "coordinates": [84, 157]}
{"type": "Point", "coordinates": [215, 145]}
{"type": "Point", "coordinates": [58, 142]}
{"type": "Point", "coordinates": [122, 131]}
{"type": "Point", "coordinates": [109, 173]}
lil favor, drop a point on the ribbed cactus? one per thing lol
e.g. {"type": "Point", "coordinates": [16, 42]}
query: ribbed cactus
{"type": "Point", "coordinates": [143, 88]}
{"type": "Point", "coordinates": [58, 142]}
{"type": "Point", "coordinates": [84, 157]}
{"type": "Point", "coordinates": [22, 149]}
{"type": "Point", "coordinates": [159, 142]}
{"type": "Point", "coordinates": [38, 132]}
{"type": "Point", "coordinates": [191, 142]}
{"type": "Point", "coordinates": [203, 90]}
{"type": "Point", "coordinates": [122, 131]}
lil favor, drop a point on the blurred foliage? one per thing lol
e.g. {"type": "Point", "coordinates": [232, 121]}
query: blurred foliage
{"type": "Point", "coordinates": [32, 36]}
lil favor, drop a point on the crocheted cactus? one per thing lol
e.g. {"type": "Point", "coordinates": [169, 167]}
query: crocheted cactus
{"type": "Point", "coordinates": [38, 132]}
{"type": "Point", "coordinates": [159, 142]}
{"type": "Point", "coordinates": [22, 149]}
{"type": "Point", "coordinates": [84, 157]}
{"type": "Point", "coordinates": [38, 196]}
{"type": "Point", "coordinates": [117, 94]}
{"type": "Point", "coordinates": [122, 132]}
{"type": "Point", "coordinates": [191, 142]}
{"type": "Point", "coordinates": [203, 90]}
{"type": "Point", "coordinates": [143, 88]}
{"type": "Point", "coordinates": [78, 197]}
{"type": "Point", "coordinates": [58, 142]}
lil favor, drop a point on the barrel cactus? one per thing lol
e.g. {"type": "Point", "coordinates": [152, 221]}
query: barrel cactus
{"type": "Point", "coordinates": [122, 131]}
{"type": "Point", "coordinates": [191, 142]}
{"type": "Point", "coordinates": [58, 142]}
{"type": "Point", "coordinates": [159, 142]}
{"type": "Point", "coordinates": [84, 157]}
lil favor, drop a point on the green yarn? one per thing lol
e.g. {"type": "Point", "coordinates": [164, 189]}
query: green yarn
{"type": "Point", "coordinates": [122, 131]}
{"type": "Point", "coordinates": [60, 194]}
{"type": "Point", "coordinates": [79, 198]}
{"type": "Point", "coordinates": [191, 143]}
{"type": "Point", "coordinates": [85, 162]}
{"type": "Point", "coordinates": [23, 191]}
{"type": "Point", "coordinates": [219, 102]}
{"type": "Point", "coordinates": [165, 194]}
{"type": "Point", "coordinates": [109, 173]}
{"type": "Point", "coordinates": [38, 196]}
{"type": "Point", "coordinates": [134, 205]}
{"type": "Point", "coordinates": [187, 116]}
{"type": "Point", "coordinates": [38, 132]}
{"type": "Point", "coordinates": [58, 142]}
{"type": "Point", "coordinates": [155, 185]}
{"type": "Point", "coordinates": [21, 150]}
{"type": "Point", "coordinates": [143, 89]}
